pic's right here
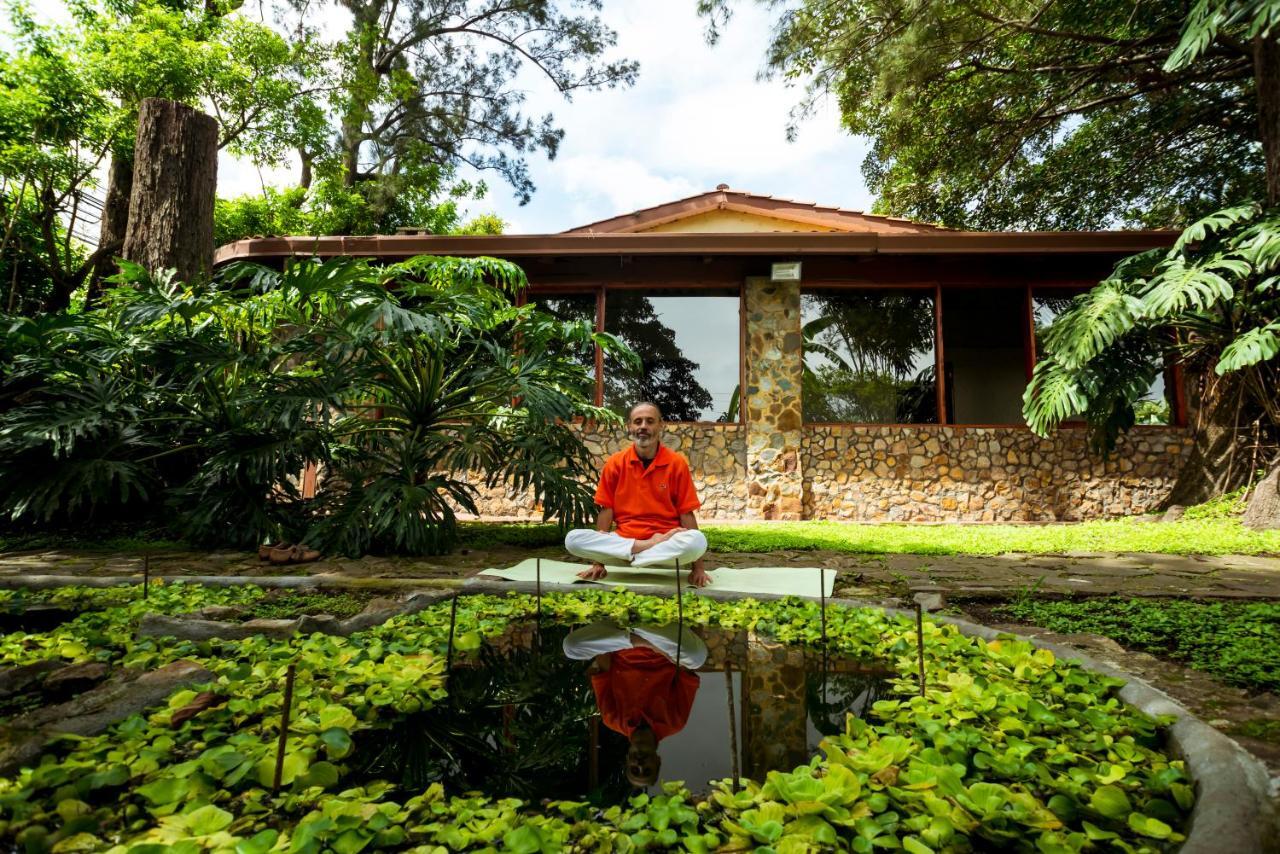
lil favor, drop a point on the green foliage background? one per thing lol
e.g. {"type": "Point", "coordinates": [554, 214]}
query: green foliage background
{"type": "Point", "coordinates": [197, 407]}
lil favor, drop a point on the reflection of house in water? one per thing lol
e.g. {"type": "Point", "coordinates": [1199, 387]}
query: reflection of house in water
{"type": "Point", "coordinates": [881, 381]}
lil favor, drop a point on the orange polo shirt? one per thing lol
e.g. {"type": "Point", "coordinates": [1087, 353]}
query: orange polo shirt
{"type": "Point", "coordinates": [647, 501]}
{"type": "Point", "coordinates": [641, 686]}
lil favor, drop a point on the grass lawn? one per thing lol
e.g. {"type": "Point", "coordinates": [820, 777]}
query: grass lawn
{"type": "Point", "coordinates": [1201, 536]}
{"type": "Point", "coordinates": [1187, 536]}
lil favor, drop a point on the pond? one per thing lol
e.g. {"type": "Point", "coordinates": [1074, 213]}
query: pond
{"type": "Point", "coordinates": [522, 718]}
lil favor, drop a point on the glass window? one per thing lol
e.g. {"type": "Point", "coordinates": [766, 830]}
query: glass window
{"type": "Point", "coordinates": [984, 355]}
{"type": "Point", "coordinates": [869, 356]}
{"type": "Point", "coordinates": [1155, 407]}
{"type": "Point", "coordinates": [688, 343]}
{"type": "Point", "coordinates": [574, 307]}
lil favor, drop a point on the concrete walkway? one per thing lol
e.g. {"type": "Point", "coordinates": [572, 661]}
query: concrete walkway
{"type": "Point", "coordinates": [996, 576]}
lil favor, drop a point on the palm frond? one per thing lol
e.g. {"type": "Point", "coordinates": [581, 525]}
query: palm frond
{"type": "Point", "coordinates": [1252, 347]}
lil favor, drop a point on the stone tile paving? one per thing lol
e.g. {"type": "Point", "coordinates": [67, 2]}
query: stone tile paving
{"type": "Point", "coordinates": [1229, 577]}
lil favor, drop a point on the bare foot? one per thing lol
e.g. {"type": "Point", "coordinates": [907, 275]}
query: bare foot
{"type": "Point", "coordinates": [699, 578]}
{"type": "Point", "coordinates": [597, 571]}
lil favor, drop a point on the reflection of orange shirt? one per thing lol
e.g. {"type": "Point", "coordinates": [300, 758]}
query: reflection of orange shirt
{"type": "Point", "coordinates": [638, 688]}
{"type": "Point", "coordinates": [647, 501]}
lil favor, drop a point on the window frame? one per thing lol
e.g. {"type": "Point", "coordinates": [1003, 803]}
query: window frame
{"type": "Point", "coordinates": [1027, 288]}
{"type": "Point", "coordinates": [601, 292]}
{"type": "Point", "coordinates": [1174, 376]}
{"type": "Point", "coordinates": [928, 285]}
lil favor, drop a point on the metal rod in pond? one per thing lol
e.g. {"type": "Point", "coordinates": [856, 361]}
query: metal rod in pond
{"type": "Point", "coordinates": [284, 727]}
{"type": "Point", "coordinates": [453, 622]}
{"type": "Point", "coordinates": [679, 620]}
{"type": "Point", "coordinates": [822, 596]}
{"type": "Point", "coordinates": [920, 643]}
{"type": "Point", "coordinates": [146, 575]}
{"type": "Point", "coordinates": [593, 762]}
{"type": "Point", "coordinates": [733, 725]}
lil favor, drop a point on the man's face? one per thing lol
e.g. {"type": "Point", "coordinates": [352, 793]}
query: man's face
{"type": "Point", "coordinates": [644, 425]}
{"type": "Point", "coordinates": [643, 761]}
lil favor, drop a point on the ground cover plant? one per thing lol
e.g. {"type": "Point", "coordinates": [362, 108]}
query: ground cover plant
{"type": "Point", "coordinates": [1204, 535]}
{"type": "Point", "coordinates": [1009, 748]}
{"type": "Point", "coordinates": [1237, 642]}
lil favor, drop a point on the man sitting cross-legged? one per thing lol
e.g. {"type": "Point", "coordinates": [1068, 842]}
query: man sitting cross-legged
{"type": "Point", "coordinates": [648, 492]}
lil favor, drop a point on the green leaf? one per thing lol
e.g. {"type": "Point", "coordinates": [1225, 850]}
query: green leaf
{"type": "Point", "coordinates": [167, 790]}
{"type": "Point", "coordinates": [337, 716]}
{"type": "Point", "coordinates": [1148, 826]}
{"type": "Point", "coordinates": [259, 843]}
{"type": "Point", "coordinates": [523, 840]}
{"type": "Point", "coordinates": [323, 774]}
{"type": "Point", "coordinates": [1110, 801]}
{"type": "Point", "coordinates": [915, 846]}
{"type": "Point", "coordinates": [1260, 344]}
{"type": "Point", "coordinates": [207, 820]}
{"type": "Point", "coordinates": [337, 742]}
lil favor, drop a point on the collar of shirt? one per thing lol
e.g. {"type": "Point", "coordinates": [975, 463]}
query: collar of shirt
{"type": "Point", "coordinates": [660, 459]}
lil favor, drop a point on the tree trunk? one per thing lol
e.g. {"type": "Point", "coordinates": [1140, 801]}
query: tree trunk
{"type": "Point", "coordinates": [1266, 74]}
{"type": "Point", "coordinates": [1213, 465]}
{"type": "Point", "coordinates": [1263, 510]}
{"type": "Point", "coordinates": [175, 179]}
{"type": "Point", "coordinates": [115, 221]}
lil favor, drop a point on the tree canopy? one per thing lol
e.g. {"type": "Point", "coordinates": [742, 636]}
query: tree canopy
{"type": "Point", "coordinates": [68, 108]}
{"type": "Point", "coordinates": [1052, 114]}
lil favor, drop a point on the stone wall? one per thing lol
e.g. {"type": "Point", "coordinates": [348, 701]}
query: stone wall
{"type": "Point", "coordinates": [717, 458]}
{"type": "Point", "coordinates": [931, 473]}
{"type": "Point", "coordinates": [925, 473]}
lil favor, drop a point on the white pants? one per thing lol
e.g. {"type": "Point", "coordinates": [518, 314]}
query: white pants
{"type": "Point", "coordinates": [609, 548]}
{"type": "Point", "coordinates": [602, 638]}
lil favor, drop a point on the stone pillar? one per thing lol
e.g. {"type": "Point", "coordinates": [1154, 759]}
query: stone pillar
{"type": "Point", "coordinates": [775, 720]}
{"type": "Point", "coordinates": [775, 486]}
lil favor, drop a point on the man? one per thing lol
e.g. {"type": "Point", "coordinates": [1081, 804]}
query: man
{"type": "Point", "coordinates": [641, 689]}
{"type": "Point", "coordinates": [648, 492]}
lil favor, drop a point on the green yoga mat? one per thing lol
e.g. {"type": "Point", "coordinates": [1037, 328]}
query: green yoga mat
{"type": "Point", "coordinates": [781, 580]}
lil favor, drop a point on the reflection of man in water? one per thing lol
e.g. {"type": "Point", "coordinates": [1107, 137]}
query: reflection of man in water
{"type": "Point", "coordinates": [647, 490]}
{"type": "Point", "coordinates": [640, 691]}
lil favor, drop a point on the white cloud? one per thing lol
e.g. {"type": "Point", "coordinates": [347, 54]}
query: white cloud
{"type": "Point", "coordinates": [697, 117]}
{"type": "Point", "coordinates": [601, 182]}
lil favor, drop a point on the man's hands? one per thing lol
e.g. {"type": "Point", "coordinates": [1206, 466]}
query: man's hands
{"type": "Point", "coordinates": [645, 545]}
{"type": "Point", "coordinates": [596, 571]}
{"type": "Point", "coordinates": [698, 575]}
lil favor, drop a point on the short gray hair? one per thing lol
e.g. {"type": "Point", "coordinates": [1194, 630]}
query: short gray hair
{"type": "Point", "coordinates": [640, 403]}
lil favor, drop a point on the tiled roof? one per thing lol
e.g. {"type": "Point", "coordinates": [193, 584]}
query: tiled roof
{"type": "Point", "coordinates": [819, 217]}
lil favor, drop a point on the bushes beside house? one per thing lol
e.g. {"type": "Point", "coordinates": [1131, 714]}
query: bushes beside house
{"type": "Point", "coordinates": [196, 407]}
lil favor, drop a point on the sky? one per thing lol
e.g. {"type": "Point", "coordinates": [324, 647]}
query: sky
{"type": "Point", "coordinates": [697, 117]}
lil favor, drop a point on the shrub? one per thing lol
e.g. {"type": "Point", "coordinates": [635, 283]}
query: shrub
{"type": "Point", "coordinates": [200, 404]}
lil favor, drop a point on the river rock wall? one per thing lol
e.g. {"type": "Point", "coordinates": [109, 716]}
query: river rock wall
{"type": "Point", "coordinates": [982, 474]}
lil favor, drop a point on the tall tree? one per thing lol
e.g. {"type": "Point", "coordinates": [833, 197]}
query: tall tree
{"type": "Point", "coordinates": [263, 90]}
{"type": "Point", "coordinates": [1042, 113]}
{"type": "Point", "coordinates": [431, 85]}
{"type": "Point", "coordinates": [68, 110]}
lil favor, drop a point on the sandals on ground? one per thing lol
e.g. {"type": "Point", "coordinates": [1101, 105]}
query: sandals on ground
{"type": "Point", "coordinates": [284, 553]}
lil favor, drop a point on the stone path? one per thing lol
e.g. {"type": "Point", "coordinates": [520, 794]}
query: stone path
{"type": "Point", "coordinates": [995, 576]}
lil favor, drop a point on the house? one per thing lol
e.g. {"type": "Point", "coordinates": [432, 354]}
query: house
{"type": "Point", "coordinates": [819, 363]}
